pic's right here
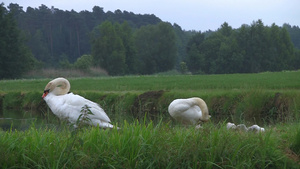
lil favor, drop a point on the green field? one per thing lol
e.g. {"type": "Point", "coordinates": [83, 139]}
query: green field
{"type": "Point", "coordinates": [149, 138]}
{"type": "Point", "coordinates": [206, 83]}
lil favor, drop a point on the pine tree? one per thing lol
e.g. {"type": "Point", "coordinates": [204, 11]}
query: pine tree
{"type": "Point", "coordinates": [15, 58]}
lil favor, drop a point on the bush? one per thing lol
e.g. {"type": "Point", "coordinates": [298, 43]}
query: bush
{"type": "Point", "coordinates": [84, 62]}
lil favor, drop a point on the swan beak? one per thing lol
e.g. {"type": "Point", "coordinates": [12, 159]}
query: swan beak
{"type": "Point", "coordinates": [45, 93]}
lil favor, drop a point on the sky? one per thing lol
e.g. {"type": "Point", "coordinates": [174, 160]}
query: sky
{"type": "Point", "coordinates": [198, 15]}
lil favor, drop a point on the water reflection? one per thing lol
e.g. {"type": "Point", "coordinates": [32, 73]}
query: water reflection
{"type": "Point", "coordinates": [23, 119]}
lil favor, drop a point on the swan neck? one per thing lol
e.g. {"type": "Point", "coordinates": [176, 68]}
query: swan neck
{"type": "Point", "coordinates": [58, 86]}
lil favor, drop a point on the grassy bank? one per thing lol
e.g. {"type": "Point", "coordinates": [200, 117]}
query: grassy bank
{"type": "Point", "coordinates": [253, 106]}
{"type": "Point", "coordinates": [264, 98]}
{"type": "Point", "coordinates": [145, 145]}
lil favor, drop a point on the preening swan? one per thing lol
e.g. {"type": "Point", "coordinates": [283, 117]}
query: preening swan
{"type": "Point", "coordinates": [189, 111]}
{"type": "Point", "coordinates": [68, 105]}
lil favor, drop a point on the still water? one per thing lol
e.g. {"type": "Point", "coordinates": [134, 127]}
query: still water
{"type": "Point", "coordinates": [24, 119]}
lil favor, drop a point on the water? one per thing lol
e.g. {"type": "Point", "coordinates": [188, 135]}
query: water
{"type": "Point", "coordinates": [24, 119]}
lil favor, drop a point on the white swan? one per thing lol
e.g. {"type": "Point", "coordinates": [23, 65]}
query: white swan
{"type": "Point", "coordinates": [189, 111]}
{"type": "Point", "coordinates": [69, 106]}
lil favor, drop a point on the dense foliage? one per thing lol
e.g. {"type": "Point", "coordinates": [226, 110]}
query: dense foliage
{"type": "Point", "coordinates": [254, 48]}
{"type": "Point", "coordinates": [122, 43]}
{"type": "Point", "coordinates": [15, 57]}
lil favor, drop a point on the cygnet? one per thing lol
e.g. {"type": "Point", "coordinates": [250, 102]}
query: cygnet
{"type": "Point", "coordinates": [255, 128]}
{"type": "Point", "coordinates": [230, 126]}
{"type": "Point", "coordinates": [242, 127]}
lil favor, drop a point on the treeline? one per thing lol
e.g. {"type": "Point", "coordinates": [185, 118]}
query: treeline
{"type": "Point", "coordinates": [15, 57]}
{"type": "Point", "coordinates": [148, 50]}
{"type": "Point", "coordinates": [248, 49]}
{"type": "Point", "coordinates": [54, 35]}
{"type": "Point", "coordinates": [122, 43]}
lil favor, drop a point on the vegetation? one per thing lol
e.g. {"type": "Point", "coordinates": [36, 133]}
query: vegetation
{"type": "Point", "coordinates": [15, 57]}
{"type": "Point", "coordinates": [240, 98]}
{"type": "Point", "coordinates": [124, 43]}
{"type": "Point", "coordinates": [149, 138]}
{"type": "Point", "coordinates": [275, 81]}
{"type": "Point", "coordinates": [255, 48]}
{"type": "Point", "coordinates": [148, 145]}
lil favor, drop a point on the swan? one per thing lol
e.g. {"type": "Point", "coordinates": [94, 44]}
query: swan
{"type": "Point", "coordinates": [189, 111]}
{"type": "Point", "coordinates": [69, 106]}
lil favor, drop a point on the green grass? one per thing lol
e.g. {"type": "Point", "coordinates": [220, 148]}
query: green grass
{"type": "Point", "coordinates": [148, 145]}
{"type": "Point", "coordinates": [204, 83]}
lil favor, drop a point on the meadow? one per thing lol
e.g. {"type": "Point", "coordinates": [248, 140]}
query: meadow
{"type": "Point", "coordinates": [149, 138]}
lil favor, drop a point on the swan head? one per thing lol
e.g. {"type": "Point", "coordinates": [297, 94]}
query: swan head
{"type": "Point", "coordinates": [58, 86]}
{"type": "Point", "coordinates": [205, 118]}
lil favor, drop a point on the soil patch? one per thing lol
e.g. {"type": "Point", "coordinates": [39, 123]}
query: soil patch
{"type": "Point", "coordinates": [146, 103]}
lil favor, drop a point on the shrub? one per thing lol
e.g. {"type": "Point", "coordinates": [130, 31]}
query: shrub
{"type": "Point", "coordinates": [84, 62]}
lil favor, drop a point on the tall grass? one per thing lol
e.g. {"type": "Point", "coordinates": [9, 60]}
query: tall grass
{"type": "Point", "coordinates": [146, 145]}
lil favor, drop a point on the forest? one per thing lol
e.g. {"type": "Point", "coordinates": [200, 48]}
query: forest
{"type": "Point", "coordinates": [124, 43]}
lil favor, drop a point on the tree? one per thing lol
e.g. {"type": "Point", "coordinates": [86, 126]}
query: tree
{"type": "Point", "coordinates": [294, 32]}
{"type": "Point", "coordinates": [196, 59]}
{"type": "Point", "coordinates": [225, 29]}
{"type": "Point", "coordinates": [39, 48]}
{"type": "Point", "coordinates": [181, 41]}
{"type": "Point", "coordinates": [84, 63]}
{"type": "Point", "coordinates": [210, 50]}
{"type": "Point", "coordinates": [15, 58]}
{"type": "Point", "coordinates": [258, 48]}
{"type": "Point", "coordinates": [286, 50]}
{"type": "Point", "coordinates": [108, 50]}
{"type": "Point", "coordinates": [145, 43]}
{"type": "Point", "coordinates": [156, 48]}
{"type": "Point", "coordinates": [166, 47]}
{"type": "Point", "coordinates": [126, 35]}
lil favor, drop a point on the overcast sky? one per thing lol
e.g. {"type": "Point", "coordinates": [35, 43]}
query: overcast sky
{"type": "Point", "coordinates": [199, 15]}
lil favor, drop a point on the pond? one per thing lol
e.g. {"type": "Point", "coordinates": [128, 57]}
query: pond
{"type": "Point", "coordinates": [23, 119]}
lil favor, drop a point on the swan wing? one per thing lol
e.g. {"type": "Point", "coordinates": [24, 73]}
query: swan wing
{"type": "Point", "coordinates": [76, 103]}
{"type": "Point", "coordinates": [179, 105]}
{"type": "Point", "coordinates": [183, 106]}
{"type": "Point", "coordinates": [184, 110]}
